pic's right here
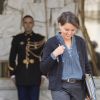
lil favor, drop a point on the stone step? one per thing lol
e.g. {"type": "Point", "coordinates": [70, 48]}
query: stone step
{"type": "Point", "coordinates": [8, 89]}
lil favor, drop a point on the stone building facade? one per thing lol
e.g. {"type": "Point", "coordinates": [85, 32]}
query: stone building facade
{"type": "Point", "coordinates": [45, 13]}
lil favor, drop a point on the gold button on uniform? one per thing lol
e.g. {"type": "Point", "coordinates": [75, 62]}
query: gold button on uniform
{"type": "Point", "coordinates": [31, 61]}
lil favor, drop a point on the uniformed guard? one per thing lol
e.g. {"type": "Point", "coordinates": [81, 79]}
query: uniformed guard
{"type": "Point", "coordinates": [24, 61]}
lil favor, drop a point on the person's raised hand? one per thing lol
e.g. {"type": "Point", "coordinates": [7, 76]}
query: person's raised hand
{"type": "Point", "coordinates": [59, 50]}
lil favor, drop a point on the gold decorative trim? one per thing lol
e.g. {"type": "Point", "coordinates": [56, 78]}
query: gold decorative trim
{"type": "Point", "coordinates": [10, 68]}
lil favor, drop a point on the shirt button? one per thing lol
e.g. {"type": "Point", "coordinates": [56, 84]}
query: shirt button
{"type": "Point", "coordinates": [70, 55]}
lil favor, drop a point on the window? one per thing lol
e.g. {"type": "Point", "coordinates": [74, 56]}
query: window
{"type": "Point", "coordinates": [4, 69]}
{"type": "Point", "coordinates": [36, 1]}
{"type": "Point", "coordinates": [1, 5]}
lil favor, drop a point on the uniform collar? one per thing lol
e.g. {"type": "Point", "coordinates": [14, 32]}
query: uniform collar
{"type": "Point", "coordinates": [29, 34]}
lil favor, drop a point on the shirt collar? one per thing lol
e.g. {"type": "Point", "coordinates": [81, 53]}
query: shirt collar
{"type": "Point", "coordinates": [61, 40]}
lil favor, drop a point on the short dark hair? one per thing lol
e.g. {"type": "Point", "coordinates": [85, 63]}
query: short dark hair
{"type": "Point", "coordinates": [68, 17]}
{"type": "Point", "coordinates": [28, 16]}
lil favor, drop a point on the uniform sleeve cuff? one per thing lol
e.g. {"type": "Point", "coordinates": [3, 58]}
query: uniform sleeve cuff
{"type": "Point", "coordinates": [13, 76]}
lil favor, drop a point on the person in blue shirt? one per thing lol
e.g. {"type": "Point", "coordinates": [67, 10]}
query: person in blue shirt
{"type": "Point", "coordinates": [65, 60]}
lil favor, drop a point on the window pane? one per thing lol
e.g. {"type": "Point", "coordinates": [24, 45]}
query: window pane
{"type": "Point", "coordinates": [4, 69]}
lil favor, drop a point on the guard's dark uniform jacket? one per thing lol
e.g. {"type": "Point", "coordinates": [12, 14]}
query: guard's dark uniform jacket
{"type": "Point", "coordinates": [24, 59]}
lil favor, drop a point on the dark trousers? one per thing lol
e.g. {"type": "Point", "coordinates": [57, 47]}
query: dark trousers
{"type": "Point", "coordinates": [69, 91]}
{"type": "Point", "coordinates": [28, 92]}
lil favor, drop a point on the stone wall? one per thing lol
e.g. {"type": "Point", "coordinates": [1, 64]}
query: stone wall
{"type": "Point", "coordinates": [45, 13]}
{"type": "Point", "coordinates": [7, 90]}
